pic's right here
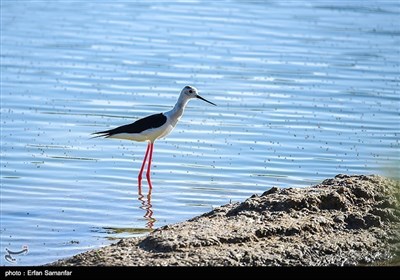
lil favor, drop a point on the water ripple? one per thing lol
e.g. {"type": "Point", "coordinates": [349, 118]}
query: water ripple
{"type": "Point", "coordinates": [304, 91]}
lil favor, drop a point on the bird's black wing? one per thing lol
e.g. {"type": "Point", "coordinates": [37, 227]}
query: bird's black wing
{"type": "Point", "coordinates": [138, 126]}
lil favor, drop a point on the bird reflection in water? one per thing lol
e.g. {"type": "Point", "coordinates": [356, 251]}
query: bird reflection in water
{"type": "Point", "coordinates": [146, 206]}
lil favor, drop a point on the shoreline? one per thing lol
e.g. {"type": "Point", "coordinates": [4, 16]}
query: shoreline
{"type": "Point", "coordinates": [345, 220]}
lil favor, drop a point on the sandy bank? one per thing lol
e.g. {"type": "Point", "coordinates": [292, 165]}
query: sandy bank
{"type": "Point", "coordinates": [346, 220]}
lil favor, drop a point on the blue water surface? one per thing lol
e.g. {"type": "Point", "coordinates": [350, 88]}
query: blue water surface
{"type": "Point", "coordinates": [305, 90]}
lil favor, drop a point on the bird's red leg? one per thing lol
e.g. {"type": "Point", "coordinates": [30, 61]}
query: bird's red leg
{"type": "Point", "coordinates": [149, 166]}
{"type": "Point", "coordinates": [143, 164]}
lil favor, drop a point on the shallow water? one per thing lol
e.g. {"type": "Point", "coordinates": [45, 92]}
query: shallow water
{"type": "Point", "coordinates": [304, 91]}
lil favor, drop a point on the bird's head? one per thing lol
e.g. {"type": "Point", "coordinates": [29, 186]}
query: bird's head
{"type": "Point", "coordinates": [189, 92]}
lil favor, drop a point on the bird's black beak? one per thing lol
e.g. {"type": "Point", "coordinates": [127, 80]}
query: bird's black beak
{"type": "Point", "coordinates": [199, 97]}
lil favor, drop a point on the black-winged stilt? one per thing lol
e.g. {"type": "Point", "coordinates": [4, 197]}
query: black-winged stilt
{"type": "Point", "coordinates": [153, 127]}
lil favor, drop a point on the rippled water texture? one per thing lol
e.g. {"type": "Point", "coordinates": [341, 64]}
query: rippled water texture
{"type": "Point", "coordinates": [304, 91]}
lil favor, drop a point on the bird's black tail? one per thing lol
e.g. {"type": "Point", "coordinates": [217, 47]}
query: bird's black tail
{"type": "Point", "coordinates": [104, 134]}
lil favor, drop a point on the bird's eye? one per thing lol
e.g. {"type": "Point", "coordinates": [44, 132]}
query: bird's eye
{"type": "Point", "coordinates": [190, 91]}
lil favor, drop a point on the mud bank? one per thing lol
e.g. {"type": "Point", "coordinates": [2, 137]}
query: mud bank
{"type": "Point", "coordinates": [346, 220]}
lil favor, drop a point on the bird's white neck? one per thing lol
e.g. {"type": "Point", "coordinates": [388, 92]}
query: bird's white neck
{"type": "Point", "coordinates": [176, 113]}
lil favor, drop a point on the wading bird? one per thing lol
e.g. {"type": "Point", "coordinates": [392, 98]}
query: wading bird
{"type": "Point", "coordinates": [153, 127]}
